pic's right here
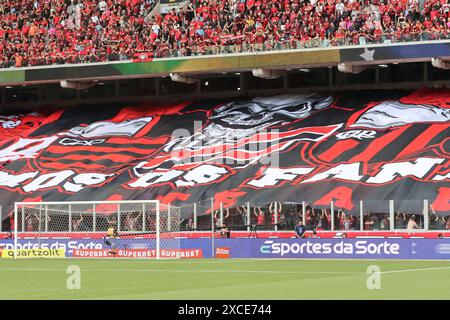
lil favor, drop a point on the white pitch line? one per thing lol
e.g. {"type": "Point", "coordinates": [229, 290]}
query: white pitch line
{"type": "Point", "coordinates": [184, 271]}
{"type": "Point", "coordinates": [236, 271]}
{"type": "Point", "coordinates": [413, 270]}
{"type": "Point", "coordinates": [229, 271]}
{"type": "Point", "coordinates": [30, 269]}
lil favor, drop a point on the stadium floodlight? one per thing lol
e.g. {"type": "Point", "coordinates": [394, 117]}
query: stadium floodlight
{"type": "Point", "coordinates": [182, 78]}
{"type": "Point", "coordinates": [77, 85]}
{"type": "Point", "coordinates": [440, 63]}
{"type": "Point", "coordinates": [267, 73]}
{"type": "Point", "coordinates": [90, 229]}
{"type": "Point", "coordinates": [350, 68]}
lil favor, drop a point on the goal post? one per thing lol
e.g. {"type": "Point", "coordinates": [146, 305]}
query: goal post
{"type": "Point", "coordinates": [96, 229]}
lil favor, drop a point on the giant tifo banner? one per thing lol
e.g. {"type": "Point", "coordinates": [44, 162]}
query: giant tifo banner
{"type": "Point", "coordinates": [377, 145]}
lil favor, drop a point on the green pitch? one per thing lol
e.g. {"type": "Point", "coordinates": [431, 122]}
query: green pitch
{"type": "Point", "coordinates": [223, 279]}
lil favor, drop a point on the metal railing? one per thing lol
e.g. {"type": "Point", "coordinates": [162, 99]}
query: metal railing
{"type": "Point", "coordinates": [268, 46]}
{"type": "Point", "coordinates": [389, 215]}
{"type": "Point", "coordinates": [368, 215]}
{"type": "Point", "coordinates": [210, 49]}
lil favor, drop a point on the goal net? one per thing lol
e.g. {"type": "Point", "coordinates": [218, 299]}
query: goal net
{"type": "Point", "coordinates": [122, 229]}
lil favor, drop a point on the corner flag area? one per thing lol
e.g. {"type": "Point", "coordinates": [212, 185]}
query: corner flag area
{"type": "Point", "coordinates": [224, 279]}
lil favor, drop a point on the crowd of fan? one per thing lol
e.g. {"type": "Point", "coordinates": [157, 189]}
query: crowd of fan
{"type": "Point", "coordinates": [45, 32]}
{"type": "Point", "coordinates": [288, 215]}
{"type": "Point", "coordinates": [284, 216]}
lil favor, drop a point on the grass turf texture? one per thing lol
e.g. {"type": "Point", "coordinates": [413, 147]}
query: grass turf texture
{"type": "Point", "coordinates": [223, 279]}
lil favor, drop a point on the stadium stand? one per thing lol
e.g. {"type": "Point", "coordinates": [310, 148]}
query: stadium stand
{"type": "Point", "coordinates": [46, 32]}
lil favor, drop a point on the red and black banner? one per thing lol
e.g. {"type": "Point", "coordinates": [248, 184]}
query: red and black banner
{"type": "Point", "coordinates": [374, 145]}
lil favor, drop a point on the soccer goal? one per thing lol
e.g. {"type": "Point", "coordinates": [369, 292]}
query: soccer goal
{"type": "Point", "coordinates": [89, 229]}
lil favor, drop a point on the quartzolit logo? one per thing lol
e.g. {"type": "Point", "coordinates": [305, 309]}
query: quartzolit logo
{"type": "Point", "coordinates": [361, 247]}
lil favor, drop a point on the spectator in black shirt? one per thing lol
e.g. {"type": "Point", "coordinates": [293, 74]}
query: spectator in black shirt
{"type": "Point", "coordinates": [300, 230]}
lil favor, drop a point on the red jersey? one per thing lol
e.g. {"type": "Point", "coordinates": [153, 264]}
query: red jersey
{"type": "Point", "coordinates": [261, 218]}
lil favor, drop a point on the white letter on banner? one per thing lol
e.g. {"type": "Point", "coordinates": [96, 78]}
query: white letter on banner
{"type": "Point", "coordinates": [419, 168]}
{"type": "Point", "coordinates": [48, 180]}
{"type": "Point", "coordinates": [11, 180]}
{"type": "Point", "coordinates": [349, 171]}
{"type": "Point", "coordinates": [274, 175]}
{"type": "Point", "coordinates": [202, 174]}
{"type": "Point", "coordinates": [20, 149]}
{"type": "Point", "coordinates": [441, 177]}
{"type": "Point", "coordinates": [152, 178]}
{"type": "Point", "coordinates": [83, 180]}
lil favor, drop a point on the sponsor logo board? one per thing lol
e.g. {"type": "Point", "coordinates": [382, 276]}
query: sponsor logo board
{"type": "Point", "coordinates": [223, 252]}
{"type": "Point", "coordinates": [34, 253]}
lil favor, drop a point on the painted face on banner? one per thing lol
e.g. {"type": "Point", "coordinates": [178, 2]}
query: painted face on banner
{"type": "Point", "coordinates": [240, 133]}
{"type": "Point", "coordinates": [394, 113]}
{"type": "Point", "coordinates": [127, 128]}
{"type": "Point", "coordinates": [239, 119]}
